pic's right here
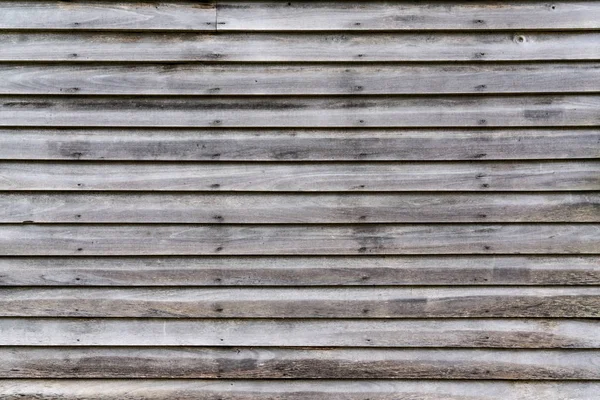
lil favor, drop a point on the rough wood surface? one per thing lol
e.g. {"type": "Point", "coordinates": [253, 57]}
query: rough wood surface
{"type": "Point", "coordinates": [302, 177]}
{"type": "Point", "coordinates": [298, 144]}
{"type": "Point", "coordinates": [298, 16]}
{"type": "Point", "coordinates": [300, 271]}
{"type": "Point", "coordinates": [302, 47]}
{"type": "Point", "coordinates": [483, 302]}
{"type": "Point", "coordinates": [277, 363]}
{"type": "Point", "coordinates": [197, 15]}
{"type": "Point", "coordinates": [218, 208]}
{"type": "Point", "coordinates": [190, 389]}
{"type": "Point", "coordinates": [305, 111]}
{"type": "Point", "coordinates": [314, 79]}
{"type": "Point", "coordinates": [272, 15]}
{"type": "Point", "coordinates": [188, 239]}
{"type": "Point", "coordinates": [405, 193]}
{"type": "Point", "coordinates": [453, 333]}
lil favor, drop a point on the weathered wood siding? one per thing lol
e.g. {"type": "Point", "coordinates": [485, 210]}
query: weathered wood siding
{"type": "Point", "coordinates": [301, 200]}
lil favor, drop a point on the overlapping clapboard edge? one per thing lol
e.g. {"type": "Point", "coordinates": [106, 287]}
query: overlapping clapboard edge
{"type": "Point", "coordinates": [511, 45]}
{"type": "Point", "coordinates": [282, 363]}
{"type": "Point", "coordinates": [458, 302]}
{"type": "Point", "coordinates": [296, 15]}
{"type": "Point", "coordinates": [505, 333]}
{"type": "Point", "coordinates": [577, 175]}
{"type": "Point", "coordinates": [190, 389]}
{"type": "Point", "coordinates": [467, 270]}
{"type": "Point", "coordinates": [301, 111]}
{"type": "Point", "coordinates": [319, 239]}
{"type": "Point", "coordinates": [307, 208]}
{"type": "Point", "coordinates": [260, 144]}
{"type": "Point", "coordinates": [297, 79]}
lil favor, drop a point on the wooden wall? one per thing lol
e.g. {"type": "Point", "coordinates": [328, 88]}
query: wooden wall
{"type": "Point", "coordinates": [243, 200]}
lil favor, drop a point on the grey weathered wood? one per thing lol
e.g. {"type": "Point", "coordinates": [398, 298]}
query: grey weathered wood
{"type": "Point", "coordinates": [525, 302]}
{"type": "Point", "coordinates": [455, 333]}
{"type": "Point", "coordinates": [108, 15]}
{"type": "Point", "coordinates": [311, 112]}
{"type": "Point", "coordinates": [272, 15]}
{"type": "Point", "coordinates": [298, 144]}
{"type": "Point", "coordinates": [288, 47]}
{"type": "Point", "coordinates": [115, 256]}
{"type": "Point", "coordinates": [301, 16]}
{"type": "Point", "coordinates": [299, 239]}
{"type": "Point", "coordinates": [298, 208]}
{"type": "Point", "coordinates": [277, 363]}
{"type": "Point", "coordinates": [302, 177]}
{"type": "Point", "coordinates": [300, 271]}
{"type": "Point", "coordinates": [184, 239]}
{"type": "Point", "coordinates": [190, 389]}
{"type": "Point", "coordinates": [275, 79]}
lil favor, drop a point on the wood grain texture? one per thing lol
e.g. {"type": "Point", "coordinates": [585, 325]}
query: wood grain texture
{"type": "Point", "coordinates": [108, 15]}
{"type": "Point", "coordinates": [306, 111]}
{"type": "Point", "coordinates": [190, 389]}
{"type": "Point", "coordinates": [298, 144]}
{"type": "Point", "coordinates": [485, 302]}
{"type": "Point", "coordinates": [300, 271]}
{"type": "Point", "coordinates": [218, 208]}
{"type": "Point", "coordinates": [299, 47]}
{"type": "Point", "coordinates": [299, 16]}
{"type": "Point", "coordinates": [278, 363]}
{"type": "Point", "coordinates": [297, 79]}
{"type": "Point", "coordinates": [224, 199]}
{"type": "Point", "coordinates": [400, 15]}
{"type": "Point", "coordinates": [409, 333]}
{"type": "Point", "coordinates": [301, 177]}
{"type": "Point", "coordinates": [184, 239]}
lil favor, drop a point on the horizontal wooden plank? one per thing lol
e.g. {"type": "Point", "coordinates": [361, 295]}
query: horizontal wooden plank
{"type": "Point", "coordinates": [523, 302]}
{"type": "Point", "coordinates": [183, 239]}
{"type": "Point", "coordinates": [190, 389]}
{"type": "Point", "coordinates": [312, 112]}
{"type": "Point", "coordinates": [297, 208]}
{"type": "Point", "coordinates": [302, 47]}
{"type": "Point", "coordinates": [108, 15]}
{"type": "Point", "coordinates": [401, 15]}
{"type": "Point", "coordinates": [454, 333]}
{"type": "Point", "coordinates": [297, 144]}
{"type": "Point", "coordinates": [296, 16]}
{"type": "Point", "coordinates": [300, 271]}
{"type": "Point", "coordinates": [301, 177]}
{"type": "Point", "coordinates": [319, 79]}
{"type": "Point", "coordinates": [277, 363]}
